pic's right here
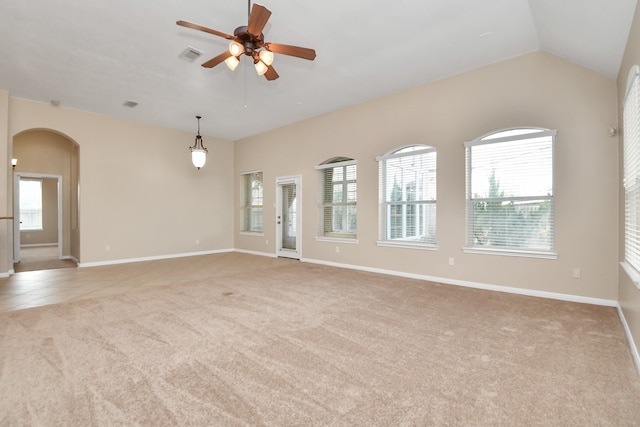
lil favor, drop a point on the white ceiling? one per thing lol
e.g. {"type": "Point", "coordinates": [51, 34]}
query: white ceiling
{"type": "Point", "coordinates": [94, 55]}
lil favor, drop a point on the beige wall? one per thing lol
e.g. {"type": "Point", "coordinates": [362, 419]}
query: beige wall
{"type": "Point", "coordinates": [139, 193]}
{"type": "Point", "coordinates": [628, 294]}
{"type": "Point", "coordinates": [6, 201]}
{"type": "Point", "coordinates": [537, 89]}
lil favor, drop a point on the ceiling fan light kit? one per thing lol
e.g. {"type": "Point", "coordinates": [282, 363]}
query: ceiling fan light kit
{"type": "Point", "coordinates": [249, 40]}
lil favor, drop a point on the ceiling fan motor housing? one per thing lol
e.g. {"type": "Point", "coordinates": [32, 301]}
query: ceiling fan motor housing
{"type": "Point", "coordinates": [250, 41]}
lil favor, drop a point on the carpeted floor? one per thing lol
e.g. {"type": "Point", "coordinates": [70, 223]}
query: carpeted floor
{"type": "Point", "coordinates": [302, 344]}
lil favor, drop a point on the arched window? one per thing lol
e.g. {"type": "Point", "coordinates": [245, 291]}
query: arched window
{"type": "Point", "coordinates": [337, 197]}
{"type": "Point", "coordinates": [509, 192]}
{"type": "Point", "coordinates": [408, 196]}
{"type": "Point", "coordinates": [631, 161]}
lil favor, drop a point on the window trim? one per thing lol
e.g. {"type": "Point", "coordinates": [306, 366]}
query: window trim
{"type": "Point", "coordinates": [484, 140]}
{"type": "Point", "coordinates": [406, 243]}
{"type": "Point", "coordinates": [335, 162]}
{"type": "Point", "coordinates": [632, 272]}
{"type": "Point", "coordinates": [245, 205]}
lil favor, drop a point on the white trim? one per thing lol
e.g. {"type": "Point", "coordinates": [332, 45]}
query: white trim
{"type": "Point", "coordinates": [510, 252]}
{"type": "Point", "coordinates": [252, 233]}
{"type": "Point", "coordinates": [244, 251]}
{"type": "Point", "coordinates": [634, 72]}
{"type": "Point", "coordinates": [348, 240]}
{"type": "Point", "coordinates": [150, 258]}
{"type": "Point", "coordinates": [394, 153]}
{"type": "Point", "coordinates": [336, 164]}
{"type": "Point", "coordinates": [250, 172]}
{"type": "Point", "coordinates": [520, 137]}
{"type": "Point", "coordinates": [630, 341]}
{"type": "Point", "coordinates": [631, 272]}
{"type": "Point", "coordinates": [475, 285]}
{"type": "Point", "coordinates": [34, 245]}
{"type": "Point", "coordinates": [408, 245]}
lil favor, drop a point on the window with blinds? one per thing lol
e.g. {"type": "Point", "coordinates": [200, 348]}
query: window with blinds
{"type": "Point", "coordinates": [252, 209]}
{"type": "Point", "coordinates": [631, 164]}
{"type": "Point", "coordinates": [408, 196]}
{"type": "Point", "coordinates": [337, 191]}
{"type": "Point", "coordinates": [509, 192]}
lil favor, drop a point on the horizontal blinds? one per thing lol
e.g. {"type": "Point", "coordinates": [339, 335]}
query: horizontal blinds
{"type": "Point", "coordinates": [510, 191]}
{"type": "Point", "coordinates": [631, 152]}
{"type": "Point", "coordinates": [252, 209]}
{"type": "Point", "coordinates": [337, 198]}
{"type": "Point", "coordinates": [408, 195]}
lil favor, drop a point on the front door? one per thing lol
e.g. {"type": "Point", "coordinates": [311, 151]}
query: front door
{"type": "Point", "coordinates": [288, 216]}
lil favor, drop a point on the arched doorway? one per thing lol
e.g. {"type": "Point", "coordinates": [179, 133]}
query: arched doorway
{"type": "Point", "coordinates": [50, 161]}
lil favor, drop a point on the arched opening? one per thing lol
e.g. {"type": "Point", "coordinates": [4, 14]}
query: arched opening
{"type": "Point", "coordinates": [51, 161]}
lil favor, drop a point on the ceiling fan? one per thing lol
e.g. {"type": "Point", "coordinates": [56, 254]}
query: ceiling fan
{"type": "Point", "coordinates": [249, 40]}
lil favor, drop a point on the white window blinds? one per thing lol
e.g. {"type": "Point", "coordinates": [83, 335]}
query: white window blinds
{"type": "Point", "coordinates": [631, 152]}
{"type": "Point", "coordinates": [252, 209]}
{"type": "Point", "coordinates": [337, 197]}
{"type": "Point", "coordinates": [408, 195]}
{"type": "Point", "coordinates": [509, 190]}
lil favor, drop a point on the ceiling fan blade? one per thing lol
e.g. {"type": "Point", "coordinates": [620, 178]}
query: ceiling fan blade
{"type": "Point", "coordinates": [300, 52]}
{"type": "Point", "coordinates": [205, 29]}
{"type": "Point", "coordinates": [258, 19]}
{"type": "Point", "coordinates": [218, 59]}
{"type": "Point", "coordinates": [271, 73]}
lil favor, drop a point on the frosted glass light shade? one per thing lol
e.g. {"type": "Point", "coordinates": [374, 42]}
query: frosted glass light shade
{"type": "Point", "coordinates": [266, 56]}
{"type": "Point", "coordinates": [198, 158]}
{"type": "Point", "coordinates": [235, 48]}
{"type": "Point", "coordinates": [261, 68]}
{"type": "Point", "coordinates": [232, 62]}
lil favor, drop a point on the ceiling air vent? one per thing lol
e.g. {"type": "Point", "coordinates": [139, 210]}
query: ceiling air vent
{"type": "Point", "coordinates": [130, 104]}
{"type": "Point", "coordinates": [190, 54]}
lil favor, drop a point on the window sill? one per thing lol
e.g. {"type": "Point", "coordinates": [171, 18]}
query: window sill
{"type": "Point", "coordinates": [252, 233]}
{"type": "Point", "coordinates": [510, 252]}
{"type": "Point", "coordinates": [351, 240]}
{"type": "Point", "coordinates": [632, 273]}
{"type": "Point", "coordinates": [407, 245]}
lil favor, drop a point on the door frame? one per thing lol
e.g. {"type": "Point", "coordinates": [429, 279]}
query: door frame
{"type": "Point", "coordinates": [16, 210]}
{"type": "Point", "coordinates": [287, 180]}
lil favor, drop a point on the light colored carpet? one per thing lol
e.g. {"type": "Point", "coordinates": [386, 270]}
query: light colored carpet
{"type": "Point", "coordinates": [302, 344]}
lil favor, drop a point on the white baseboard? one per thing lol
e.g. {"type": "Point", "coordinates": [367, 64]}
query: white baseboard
{"type": "Point", "coordinates": [476, 285]}
{"type": "Point", "coordinates": [150, 258]}
{"type": "Point", "coordinates": [632, 345]}
{"type": "Point", "coordinates": [267, 254]}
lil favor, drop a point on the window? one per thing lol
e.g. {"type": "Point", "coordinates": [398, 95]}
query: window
{"type": "Point", "coordinates": [408, 196]}
{"type": "Point", "coordinates": [252, 202]}
{"type": "Point", "coordinates": [631, 181]}
{"type": "Point", "coordinates": [510, 192]}
{"type": "Point", "coordinates": [337, 198]}
{"type": "Point", "coordinates": [30, 204]}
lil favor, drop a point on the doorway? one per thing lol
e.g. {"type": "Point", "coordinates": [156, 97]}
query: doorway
{"type": "Point", "coordinates": [288, 216]}
{"type": "Point", "coordinates": [38, 213]}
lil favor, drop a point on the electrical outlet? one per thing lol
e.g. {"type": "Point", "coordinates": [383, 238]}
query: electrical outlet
{"type": "Point", "coordinates": [107, 248]}
{"type": "Point", "coordinates": [337, 249]}
{"type": "Point", "coordinates": [197, 242]}
{"type": "Point", "coordinates": [577, 274]}
{"type": "Point", "coordinates": [451, 261]}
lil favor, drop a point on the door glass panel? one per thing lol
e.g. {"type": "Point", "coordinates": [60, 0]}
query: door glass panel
{"type": "Point", "coordinates": [289, 216]}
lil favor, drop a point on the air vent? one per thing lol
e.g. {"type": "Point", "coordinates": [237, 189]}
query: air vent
{"type": "Point", "coordinates": [130, 104]}
{"type": "Point", "coordinates": [190, 54]}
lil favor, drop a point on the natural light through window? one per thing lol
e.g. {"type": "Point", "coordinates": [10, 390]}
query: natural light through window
{"type": "Point", "coordinates": [30, 204]}
{"type": "Point", "coordinates": [510, 204]}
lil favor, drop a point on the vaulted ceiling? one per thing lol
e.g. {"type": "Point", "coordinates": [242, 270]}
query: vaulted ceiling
{"type": "Point", "coordinates": [95, 55]}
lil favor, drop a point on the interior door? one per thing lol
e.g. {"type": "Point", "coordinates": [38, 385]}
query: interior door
{"type": "Point", "coordinates": [288, 217]}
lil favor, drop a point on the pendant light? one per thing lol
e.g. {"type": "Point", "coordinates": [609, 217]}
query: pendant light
{"type": "Point", "coordinates": [198, 151]}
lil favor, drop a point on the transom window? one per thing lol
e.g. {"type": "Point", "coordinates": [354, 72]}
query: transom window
{"type": "Point", "coordinates": [337, 191]}
{"type": "Point", "coordinates": [408, 196]}
{"type": "Point", "coordinates": [509, 192]}
{"type": "Point", "coordinates": [252, 207]}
